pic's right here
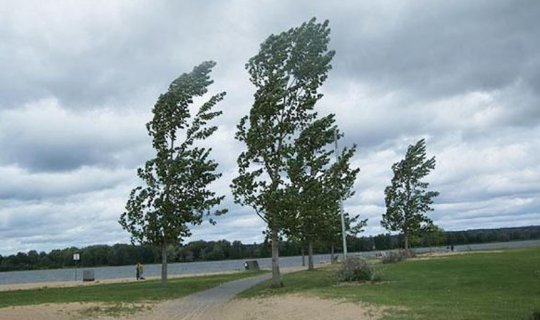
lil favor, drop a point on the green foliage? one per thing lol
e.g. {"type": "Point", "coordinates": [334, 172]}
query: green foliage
{"type": "Point", "coordinates": [407, 198]}
{"type": "Point", "coordinates": [432, 235]}
{"type": "Point", "coordinates": [175, 193]}
{"type": "Point", "coordinates": [287, 72]}
{"type": "Point", "coordinates": [355, 268]}
{"type": "Point", "coordinates": [317, 186]}
{"type": "Point", "coordinates": [497, 286]}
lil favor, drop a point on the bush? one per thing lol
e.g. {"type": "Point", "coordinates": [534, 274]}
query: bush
{"type": "Point", "coordinates": [377, 276]}
{"type": "Point", "coordinates": [394, 257]}
{"type": "Point", "coordinates": [535, 316]}
{"type": "Point", "coordinates": [355, 269]}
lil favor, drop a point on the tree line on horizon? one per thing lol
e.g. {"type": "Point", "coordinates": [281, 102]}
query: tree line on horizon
{"type": "Point", "coordinates": [129, 254]}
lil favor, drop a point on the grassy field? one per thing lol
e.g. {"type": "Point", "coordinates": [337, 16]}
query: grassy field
{"type": "Point", "coordinates": [114, 293]}
{"type": "Point", "coordinates": [497, 285]}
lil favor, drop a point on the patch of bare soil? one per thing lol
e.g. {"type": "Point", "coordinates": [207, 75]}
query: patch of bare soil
{"type": "Point", "coordinates": [65, 311]}
{"type": "Point", "coordinates": [296, 307]}
{"type": "Point", "coordinates": [290, 307]}
{"type": "Point", "coordinates": [430, 255]}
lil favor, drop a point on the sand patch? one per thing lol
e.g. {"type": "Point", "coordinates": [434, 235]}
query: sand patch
{"type": "Point", "coordinates": [290, 307]}
{"type": "Point", "coordinates": [76, 311]}
{"type": "Point", "coordinates": [64, 311]}
{"type": "Point", "coordinates": [431, 255]}
{"type": "Point", "coordinates": [296, 307]}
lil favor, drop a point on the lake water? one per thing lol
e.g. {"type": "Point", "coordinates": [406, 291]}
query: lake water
{"type": "Point", "coordinates": [150, 270]}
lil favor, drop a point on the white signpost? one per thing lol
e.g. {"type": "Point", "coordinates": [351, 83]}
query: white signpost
{"type": "Point", "coordinates": [76, 257]}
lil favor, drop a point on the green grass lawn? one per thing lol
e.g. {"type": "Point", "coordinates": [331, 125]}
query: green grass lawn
{"type": "Point", "coordinates": [497, 285]}
{"type": "Point", "coordinates": [129, 292]}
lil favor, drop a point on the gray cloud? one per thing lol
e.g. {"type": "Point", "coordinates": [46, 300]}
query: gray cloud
{"type": "Point", "coordinates": [43, 136]}
{"type": "Point", "coordinates": [79, 79]}
{"type": "Point", "coordinates": [439, 49]}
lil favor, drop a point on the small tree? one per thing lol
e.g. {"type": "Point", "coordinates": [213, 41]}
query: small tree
{"type": "Point", "coordinates": [316, 185]}
{"type": "Point", "coordinates": [333, 235]}
{"type": "Point", "coordinates": [175, 193]}
{"type": "Point", "coordinates": [432, 236]}
{"type": "Point", "coordinates": [287, 72]}
{"type": "Point", "coordinates": [407, 198]}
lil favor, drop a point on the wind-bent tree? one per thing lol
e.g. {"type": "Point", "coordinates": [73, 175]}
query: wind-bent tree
{"type": "Point", "coordinates": [175, 193]}
{"type": "Point", "coordinates": [287, 72]}
{"type": "Point", "coordinates": [316, 185]}
{"type": "Point", "coordinates": [407, 198]}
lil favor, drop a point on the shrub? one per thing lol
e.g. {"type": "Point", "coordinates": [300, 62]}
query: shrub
{"type": "Point", "coordinates": [377, 276]}
{"type": "Point", "coordinates": [355, 269]}
{"type": "Point", "coordinates": [394, 257]}
{"type": "Point", "coordinates": [535, 316]}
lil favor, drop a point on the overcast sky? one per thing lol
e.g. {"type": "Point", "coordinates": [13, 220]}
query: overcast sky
{"type": "Point", "coordinates": [78, 80]}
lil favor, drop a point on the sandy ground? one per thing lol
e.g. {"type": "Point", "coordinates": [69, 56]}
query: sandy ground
{"type": "Point", "coordinates": [291, 307]}
{"type": "Point", "coordinates": [63, 311]}
{"type": "Point", "coordinates": [431, 255]}
{"type": "Point", "coordinates": [295, 307]}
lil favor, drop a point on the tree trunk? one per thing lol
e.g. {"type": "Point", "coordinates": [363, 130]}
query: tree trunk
{"type": "Point", "coordinates": [303, 256]}
{"type": "Point", "coordinates": [332, 260]}
{"type": "Point", "coordinates": [310, 255]}
{"type": "Point", "coordinates": [406, 241]}
{"type": "Point", "coordinates": [164, 265]}
{"type": "Point", "coordinates": [276, 276]}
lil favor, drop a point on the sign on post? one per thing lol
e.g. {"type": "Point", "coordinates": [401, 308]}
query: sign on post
{"type": "Point", "coordinates": [76, 257]}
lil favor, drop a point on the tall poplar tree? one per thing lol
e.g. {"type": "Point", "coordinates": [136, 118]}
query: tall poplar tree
{"type": "Point", "coordinates": [175, 193]}
{"type": "Point", "coordinates": [287, 72]}
{"type": "Point", "coordinates": [407, 198]}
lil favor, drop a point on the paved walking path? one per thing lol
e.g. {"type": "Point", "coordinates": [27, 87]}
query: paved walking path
{"type": "Point", "coordinates": [203, 305]}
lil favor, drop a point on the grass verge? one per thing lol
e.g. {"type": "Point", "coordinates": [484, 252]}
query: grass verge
{"type": "Point", "coordinates": [118, 293]}
{"type": "Point", "coordinates": [499, 285]}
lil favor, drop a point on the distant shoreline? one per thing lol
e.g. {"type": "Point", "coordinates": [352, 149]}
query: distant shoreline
{"type": "Point", "coordinates": [33, 278]}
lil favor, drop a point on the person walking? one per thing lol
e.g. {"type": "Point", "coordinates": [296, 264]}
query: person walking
{"type": "Point", "coordinates": [138, 271]}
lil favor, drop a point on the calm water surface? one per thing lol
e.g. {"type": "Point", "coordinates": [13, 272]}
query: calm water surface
{"type": "Point", "coordinates": [33, 276]}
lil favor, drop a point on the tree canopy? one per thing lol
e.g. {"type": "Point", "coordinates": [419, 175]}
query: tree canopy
{"type": "Point", "coordinates": [175, 192]}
